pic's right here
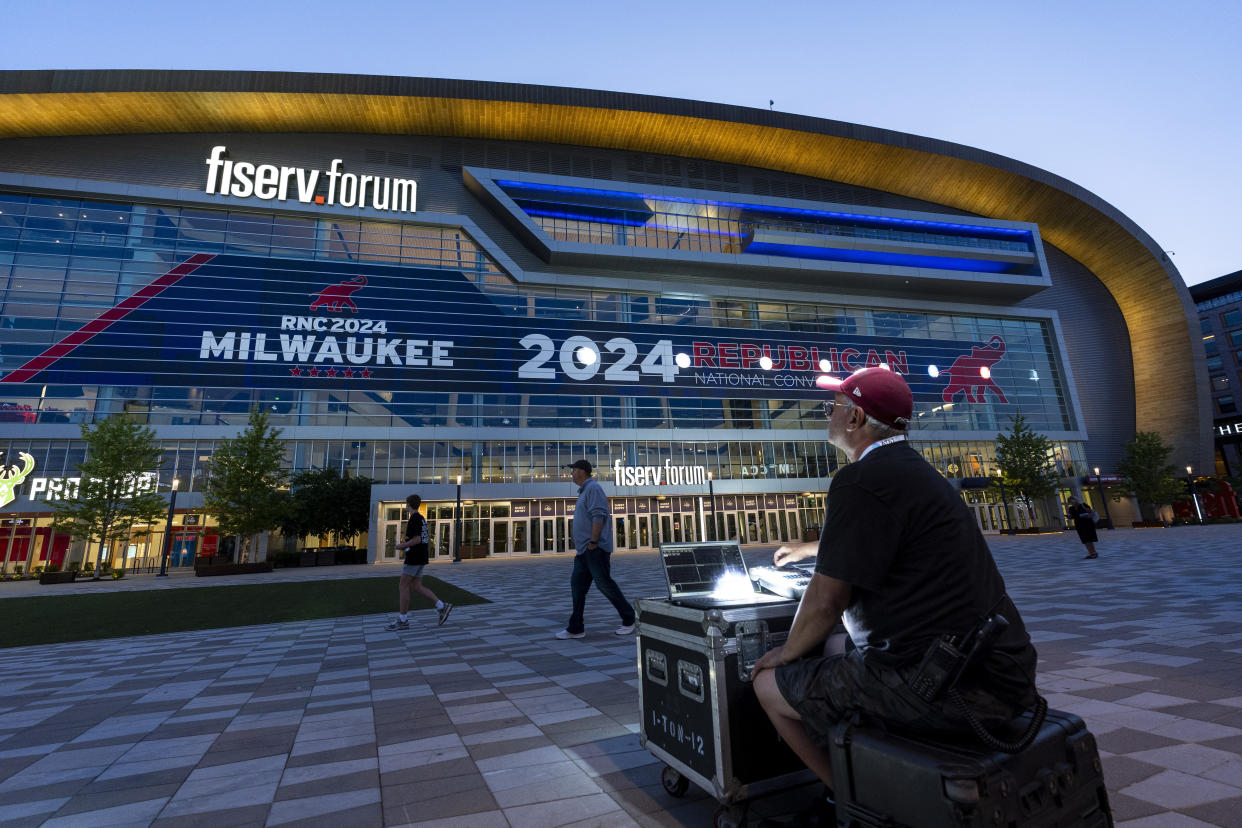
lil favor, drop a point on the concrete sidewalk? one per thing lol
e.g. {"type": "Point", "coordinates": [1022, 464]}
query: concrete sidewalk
{"type": "Point", "coordinates": [490, 721]}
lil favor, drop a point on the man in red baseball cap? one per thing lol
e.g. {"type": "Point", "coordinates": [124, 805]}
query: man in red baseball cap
{"type": "Point", "coordinates": [902, 563]}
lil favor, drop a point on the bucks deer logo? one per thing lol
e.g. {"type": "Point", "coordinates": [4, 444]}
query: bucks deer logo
{"type": "Point", "coordinates": [11, 477]}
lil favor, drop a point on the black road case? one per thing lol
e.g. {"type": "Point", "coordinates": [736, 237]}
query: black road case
{"type": "Point", "coordinates": [885, 779]}
{"type": "Point", "coordinates": [699, 712]}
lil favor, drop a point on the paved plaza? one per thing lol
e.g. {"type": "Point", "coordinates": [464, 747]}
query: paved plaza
{"type": "Point", "coordinates": [490, 721]}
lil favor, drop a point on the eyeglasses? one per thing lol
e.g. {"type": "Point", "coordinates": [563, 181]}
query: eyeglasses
{"type": "Point", "coordinates": [829, 405]}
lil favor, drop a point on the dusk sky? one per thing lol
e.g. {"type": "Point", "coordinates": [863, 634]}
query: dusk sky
{"type": "Point", "coordinates": [1136, 101]}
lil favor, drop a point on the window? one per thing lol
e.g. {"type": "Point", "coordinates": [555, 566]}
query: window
{"type": "Point", "coordinates": [1232, 319]}
{"type": "Point", "coordinates": [1235, 337]}
{"type": "Point", "coordinates": [1210, 346]}
{"type": "Point", "coordinates": [1226, 405]}
{"type": "Point", "coordinates": [1205, 326]}
{"type": "Point", "coordinates": [1220, 383]}
{"type": "Point", "coordinates": [1216, 363]}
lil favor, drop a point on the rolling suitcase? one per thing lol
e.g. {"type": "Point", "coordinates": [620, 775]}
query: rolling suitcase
{"type": "Point", "coordinates": [894, 780]}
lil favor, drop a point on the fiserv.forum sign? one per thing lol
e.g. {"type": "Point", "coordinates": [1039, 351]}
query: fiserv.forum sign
{"type": "Point", "coordinates": [244, 179]}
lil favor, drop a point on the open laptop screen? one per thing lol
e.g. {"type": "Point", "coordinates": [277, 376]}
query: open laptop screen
{"type": "Point", "coordinates": [701, 568]}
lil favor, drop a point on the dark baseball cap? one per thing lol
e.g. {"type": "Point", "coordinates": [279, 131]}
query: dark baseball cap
{"type": "Point", "coordinates": [880, 393]}
{"type": "Point", "coordinates": [580, 464]}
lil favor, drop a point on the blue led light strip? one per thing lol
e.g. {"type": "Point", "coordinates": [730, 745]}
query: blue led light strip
{"type": "Point", "coordinates": [889, 220]}
{"type": "Point", "coordinates": [668, 228]}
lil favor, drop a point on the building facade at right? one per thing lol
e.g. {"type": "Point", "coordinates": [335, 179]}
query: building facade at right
{"type": "Point", "coordinates": [1219, 303]}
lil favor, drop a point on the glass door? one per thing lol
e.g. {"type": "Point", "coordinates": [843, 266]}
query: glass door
{"type": "Point", "coordinates": [520, 544]}
{"type": "Point", "coordinates": [444, 539]}
{"type": "Point", "coordinates": [501, 537]}
{"type": "Point", "coordinates": [391, 532]}
{"type": "Point", "coordinates": [642, 537]}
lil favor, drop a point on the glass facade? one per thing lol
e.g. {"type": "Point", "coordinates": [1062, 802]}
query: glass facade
{"type": "Point", "coordinates": [635, 219]}
{"type": "Point", "coordinates": [66, 264]}
{"type": "Point", "coordinates": [416, 341]}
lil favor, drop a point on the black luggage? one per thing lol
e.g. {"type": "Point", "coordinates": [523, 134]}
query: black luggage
{"type": "Point", "coordinates": [894, 780]}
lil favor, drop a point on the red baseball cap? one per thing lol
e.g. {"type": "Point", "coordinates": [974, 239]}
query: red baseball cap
{"type": "Point", "coordinates": [879, 392]}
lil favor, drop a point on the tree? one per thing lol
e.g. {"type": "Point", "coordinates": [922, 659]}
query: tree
{"type": "Point", "coordinates": [245, 475]}
{"type": "Point", "coordinates": [117, 491]}
{"type": "Point", "coordinates": [1145, 469]}
{"type": "Point", "coordinates": [1023, 456]}
{"type": "Point", "coordinates": [323, 502]}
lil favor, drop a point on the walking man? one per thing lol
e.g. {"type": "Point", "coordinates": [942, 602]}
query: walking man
{"type": "Point", "coordinates": [416, 555]}
{"type": "Point", "coordinates": [593, 543]}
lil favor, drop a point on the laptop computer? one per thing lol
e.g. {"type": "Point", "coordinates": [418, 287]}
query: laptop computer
{"type": "Point", "coordinates": [710, 575]}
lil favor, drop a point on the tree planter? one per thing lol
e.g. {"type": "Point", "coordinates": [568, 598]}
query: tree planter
{"type": "Point", "coordinates": [309, 557]}
{"type": "Point", "coordinates": [58, 577]}
{"type": "Point", "coordinates": [1148, 524]}
{"type": "Point", "coordinates": [234, 569]}
{"type": "Point", "coordinates": [326, 556]}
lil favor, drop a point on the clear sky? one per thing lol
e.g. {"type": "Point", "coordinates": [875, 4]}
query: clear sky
{"type": "Point", "coordinates": [1135, 100]}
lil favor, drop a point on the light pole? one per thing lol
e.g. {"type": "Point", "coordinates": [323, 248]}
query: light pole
{"type": "Point", "coordinates": [1194, 492]}
{"type": "Point", "coordinates": [457, 525]}
{"type": "Point", "coordinates": [1108, 519]}
{"type": "Point", "coordinates": [168, 530]}
{"type": "Point", "coordinates": [711, 495]}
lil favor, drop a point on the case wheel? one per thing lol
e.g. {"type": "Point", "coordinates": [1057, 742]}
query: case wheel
{"type": "Point", "coordinates": [674, 782]}
{"type": "Point", "coordinates": [729, 816]}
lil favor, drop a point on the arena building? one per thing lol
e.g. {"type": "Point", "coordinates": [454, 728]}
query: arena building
{"type": "Point", "coordinates": [432, 281]}
{"type": "Point", "coordinates": [1219, 302]}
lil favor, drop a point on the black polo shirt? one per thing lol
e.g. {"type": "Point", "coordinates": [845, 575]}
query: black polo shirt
{"type": "Point", "coordinates": [902, 537]}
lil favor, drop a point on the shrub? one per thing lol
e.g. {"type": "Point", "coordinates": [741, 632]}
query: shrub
{"type": "Point", "coordinates": [38, 570]}
{"type": "Point", "coordinates": [75, 566]}
{"type": "Point", "coordinates": [118, 573]}
{"type": "Point", "coordinates": [52, 568]}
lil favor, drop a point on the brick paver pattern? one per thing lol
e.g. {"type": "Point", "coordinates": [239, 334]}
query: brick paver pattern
{"type": "Point", "coordinates": [490, 721]}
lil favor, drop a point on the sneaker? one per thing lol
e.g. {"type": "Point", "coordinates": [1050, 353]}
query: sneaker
{"type": "Point", "coordinates": [624, 629]}
{"type": "Point", "coordinates": [398, 624]}
{"type": "Point", "coordinates": [565, 635]}
{"type": "Point", "coordinates": [444, 613]}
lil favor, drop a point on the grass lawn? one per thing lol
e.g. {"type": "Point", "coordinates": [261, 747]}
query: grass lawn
{"type": "Point", "coordinates": [57, 619]}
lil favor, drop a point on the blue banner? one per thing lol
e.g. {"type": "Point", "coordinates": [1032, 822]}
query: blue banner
{"type": "Point", "coordinates": [251, 322]}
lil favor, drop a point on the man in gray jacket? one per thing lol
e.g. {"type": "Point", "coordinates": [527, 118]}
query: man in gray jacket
{"type": "Point", "coordinates": [593, 543]}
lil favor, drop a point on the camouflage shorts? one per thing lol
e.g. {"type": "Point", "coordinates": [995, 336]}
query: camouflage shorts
{"type": "Point", "coordinates": [826, 690]}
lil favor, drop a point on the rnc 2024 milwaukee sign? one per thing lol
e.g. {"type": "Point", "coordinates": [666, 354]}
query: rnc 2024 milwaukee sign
{"type": "Point", "coordinates": [387, 331]}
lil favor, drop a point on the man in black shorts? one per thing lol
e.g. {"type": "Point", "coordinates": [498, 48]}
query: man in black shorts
{"type": "Point", "coordinates": [901, 561]}
{"type": "Point", "coordinates": [416, 555]}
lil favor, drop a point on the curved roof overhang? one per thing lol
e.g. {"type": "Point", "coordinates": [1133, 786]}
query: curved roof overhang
{"type": "Point", "coordinates": [1147, 288]}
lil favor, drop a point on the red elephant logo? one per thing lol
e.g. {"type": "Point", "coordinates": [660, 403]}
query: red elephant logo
{"type": "Point", "coordinates": [336, 297]}
{"type": "Point", "coordinates": [972, 373]}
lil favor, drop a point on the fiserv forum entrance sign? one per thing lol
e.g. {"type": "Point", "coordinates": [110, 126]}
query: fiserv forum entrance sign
{"type": "Point", "coordinates": [331, 188]}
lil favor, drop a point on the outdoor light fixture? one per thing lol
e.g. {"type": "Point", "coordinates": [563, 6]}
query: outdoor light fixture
{"type": "Point", "coordinates": [457, 525]}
